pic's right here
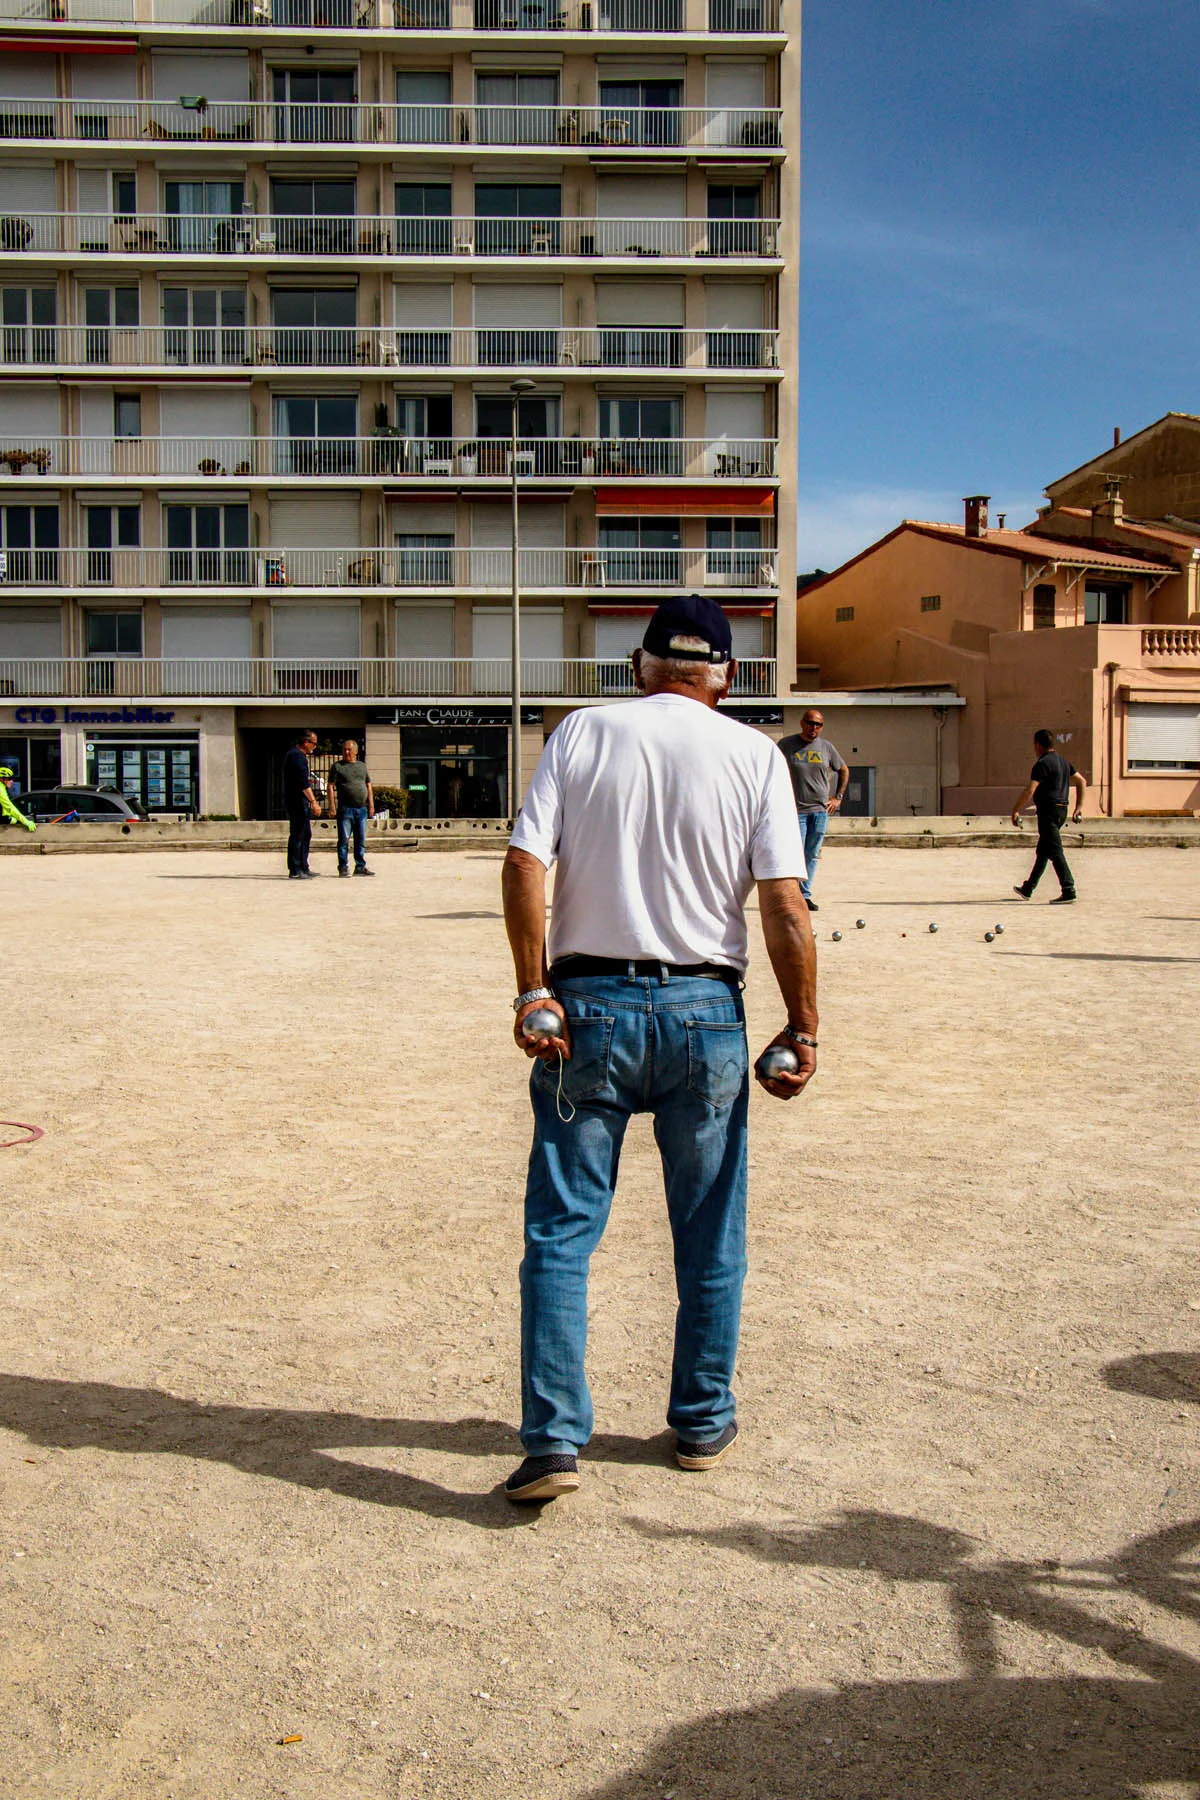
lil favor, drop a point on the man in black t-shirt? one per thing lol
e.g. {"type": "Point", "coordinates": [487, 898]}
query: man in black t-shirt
{"type": "Point", "coordinates": [1050, 782]}
{"type": "Point", "coordinates": [300, 799]}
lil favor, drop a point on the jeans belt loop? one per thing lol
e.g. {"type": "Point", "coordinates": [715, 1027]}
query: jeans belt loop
{"type": "Point", "coordinates": [631, 969]}
{"type": "Point", "coordinates": [664, 974]}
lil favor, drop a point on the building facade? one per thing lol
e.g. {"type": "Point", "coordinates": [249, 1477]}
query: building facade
{"type": "Point", "coordinates": [269, 270]}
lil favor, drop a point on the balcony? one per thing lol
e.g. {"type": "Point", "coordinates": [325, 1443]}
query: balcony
{"type": "Point", "coordinates": [387, 456]}
{"type": "Point", "coordinates": [597, 569]}
{"type": "Point", "coordinates": [594, 351]}
{"type": "Point", "coordinates": [1169, 645]}
{"type": "Point", "coordinates": [119, 681]}
{"type": "Point", "coordinates": [278, 237]}
{"type": "Point", "coordinates": [740, 18]}
{"type": "Point", "coordinates": [260, 123]}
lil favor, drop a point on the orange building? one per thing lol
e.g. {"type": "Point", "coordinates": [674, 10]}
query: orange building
{"type": "Point", "coordinates": [1087, 624]}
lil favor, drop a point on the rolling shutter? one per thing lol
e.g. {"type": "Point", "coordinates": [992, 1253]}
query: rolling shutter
{"type": "Point", "coordinates": [739, 86]}
{"type": "Point", "coordinates": [28, 190]}
{"type": "Point", "coordinates": [735, 415]}
{"type": "Point", "coordinates": [104, 77]}
{"type": "Point", "coordinates": [640, 197]}
{"type": "Point", "coordinates": [639, 303]}
{"type": "Point", "coordinates": [541, 634]}
{"type": "Point", "coordinates": [422, 304]}
{"type": "Point", "coordinates": [30, 631]}
{"type": "Point", "coordinates": [216, 77]}
{"type": "Point", "coordinates": [206, 633]}
{"type": "Point", "coordinates": [532, 305]}
{"type": "Point", "coordinates": [734, 305]}
{"type": "Point", "coordinates": [318, 522]}
{"type": "Point", "coordinates": [328, 632]}
{"type": "Point", "coordinates": [1163, 736]}
{"type": "Point", "coordinates": [195, 412]}
{"type": "Point", "coordinates": [428, 518]}
{"type": "Point", "coordinates": [29, 77]}
{"type": "Point", "coordinates": [424, 631]}
{"type": "Point", "coordinates": [30, 412]}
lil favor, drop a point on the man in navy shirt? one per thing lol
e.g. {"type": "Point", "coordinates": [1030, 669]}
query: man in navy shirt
{"type": "Point", "coordinates": [301, 804]}
{"type": "Point", "coordinates": [1050, 782]}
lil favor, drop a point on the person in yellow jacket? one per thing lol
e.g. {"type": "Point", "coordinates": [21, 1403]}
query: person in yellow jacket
{"type": "Point", "coordinates": [9, 811]}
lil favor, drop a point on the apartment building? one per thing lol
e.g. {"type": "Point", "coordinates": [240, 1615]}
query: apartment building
{"type": "Point", "coordinates": [269, 270]}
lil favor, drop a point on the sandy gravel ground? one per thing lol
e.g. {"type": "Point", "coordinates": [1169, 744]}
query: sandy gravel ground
{"type": "Point", "coordinates": [259, 1360]}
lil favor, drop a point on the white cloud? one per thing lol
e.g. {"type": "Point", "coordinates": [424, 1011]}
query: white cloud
{"type": "Point", "coordinates": [837, 523]}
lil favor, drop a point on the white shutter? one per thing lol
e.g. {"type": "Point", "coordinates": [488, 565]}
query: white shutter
{"type": "Point", "coordinates": [31, 411]}
{"type": "Point", "coordinates": [736, 414]}
{"type": "Point", "coordinates": [206, 633]}
{"type": "Point", "coordinates": [528, 306]}
{"type": "Point", "coordinates": [491, 544]}
{"type": "Point", "coordinates": [424, 631]}
{"type": "Point", "coordinates": [198, 412]}
{"type": "Point", "coordinates": [29, 190]}
{"type": "Point", "coordinates": [615, 638]}
{"type": "Point", "coordinates": [29, 77]}
{"type": "Point", "coordinates": [30, 631]}
{"type": "Point", "coordinates": [1163, 736]}
{"type": "Point", "coordinates": [328, 632]}
{"type": "Point", "coordinates": [104, 77]}
{"type": "Point", "coordinates": [734, 305]}
{"type": "Point", "coordinates": [215, 76]}
{"type": "Point", "coordinates": [93, 190]}
{"type": "Point", "coordinates": [541, 633]}
{"type": "Point", "coordinates": [414, 518]}
{"type": "Point", "coordinates": [738, 85]}
{"type": "Point", "coordinates": [639, 303]}
{"type": "Point", "coordinates": [640, 197]}
{"type": "Point", "coordinates": [422, 304]}
{"type": "Point", "coordinates": [318, 522]}
{"type": "Point", "coordinates": [747, 637]}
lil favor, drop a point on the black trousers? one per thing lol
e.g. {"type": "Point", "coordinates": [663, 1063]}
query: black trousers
{"type": "Point", "coordinates": [1051, 820]}
{"type": "Point", "coordinates": [299, 839]}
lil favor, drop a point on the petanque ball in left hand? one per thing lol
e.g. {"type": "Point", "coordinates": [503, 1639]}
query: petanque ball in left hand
{"type": "Point", "coordinates": [541, 1022]}
{"type": "Point", "coordinates": [779, 1060]}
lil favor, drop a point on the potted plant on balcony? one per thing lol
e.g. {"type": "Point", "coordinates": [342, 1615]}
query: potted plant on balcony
{"type": "Point", "coordinates": [208, 465]}
{"type": "Point", "coordinates": [41, 459]}
{"type": "Point", "coordinates": [15, 460]}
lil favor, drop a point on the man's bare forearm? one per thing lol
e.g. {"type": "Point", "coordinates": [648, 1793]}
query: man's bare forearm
{"type": "Point", "coordinates": [790, 946]}
{"type": "Point", "coordinates": [523, 887]}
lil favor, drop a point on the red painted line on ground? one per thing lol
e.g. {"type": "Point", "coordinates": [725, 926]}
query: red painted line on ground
{"type": "Point", "coordinates": [35, 1132]}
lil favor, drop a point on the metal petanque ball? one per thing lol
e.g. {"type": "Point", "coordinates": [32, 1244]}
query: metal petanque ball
{"type": "Point", "coordinates": [541, 1022]}
{"type": "Point", "coordinates": [989, 937]}
{"type": "Point", "coordinates": [837, 937]}
{"type": "Point", "coordinates": [860, 924]}
{"type": "Point", "coordinates": [999, 931]}
{"type": "Point", "coordinates": [779, 1060]}
{"type": "Point", "coordinates": [933, 928]}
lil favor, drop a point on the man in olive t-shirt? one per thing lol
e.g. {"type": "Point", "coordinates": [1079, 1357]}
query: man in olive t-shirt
{"type": "Point", "coordinates": [812, 763]}
{"type": "Point", "coordinates": [352, 798]}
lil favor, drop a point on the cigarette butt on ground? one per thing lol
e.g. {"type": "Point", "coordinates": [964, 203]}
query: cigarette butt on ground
{"type": "Point", "coordinates": [296, 1737]}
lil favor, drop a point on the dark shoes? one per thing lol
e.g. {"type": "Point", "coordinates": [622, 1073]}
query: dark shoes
{"type": "Point", "coordinates": [344, 873]}
{"type": "Point", "coordinates": [1023, 892]}
{"type": "Point", "coordinates": [708, 1454]}
{"type": "Point", "coordinates": [364, 870]}
{"type": "Point", "coordinates": [1064, 900]}
{"type": "Point", "coordinates": [811, 904]}
{"type": "Point", "coordinates": [303, 875]}
{"type": "Point", "coordinates": [543, 1478]}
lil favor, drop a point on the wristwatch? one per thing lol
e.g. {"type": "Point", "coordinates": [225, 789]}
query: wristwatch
{"type": "Point", "coordinates": [799, 1037]}
{"type": "Point", "coordinates": [533, 994]}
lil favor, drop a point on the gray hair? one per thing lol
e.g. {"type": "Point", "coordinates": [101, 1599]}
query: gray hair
{"type": "Point", "coordinates": [710, 678]}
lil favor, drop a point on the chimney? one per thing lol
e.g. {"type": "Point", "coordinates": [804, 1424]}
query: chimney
{"type": "Point", "coordinates": [1111, 509]}
{"type": "Point", "coordinates": [975, 524]}
{"type": "Point", "coordinates": [1116, 437]}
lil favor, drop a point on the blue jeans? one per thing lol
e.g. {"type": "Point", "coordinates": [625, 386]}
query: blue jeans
{"type": "Point", "coordinates": [813, 827]}
{"type": "Point", "coordinates": [676, 1048]}
{"type": "Point", "coordinates": [352, 818]}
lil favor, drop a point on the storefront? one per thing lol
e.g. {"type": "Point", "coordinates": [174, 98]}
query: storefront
{"type": "Point", "coordinates": [163, 773]}
{"type": "Point", "coordinates": [171, 761]}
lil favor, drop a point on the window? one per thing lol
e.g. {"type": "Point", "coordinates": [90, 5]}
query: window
{"type": "Point", "coordinates": [518, 218]}
{"type": "Point", "coordinates": [208, 543]}
{"type": "Point", "coordinates": [426, 558]}
{"type": "Point", "coordinates": [423, 106]}
{"type": "Point", "coordinates": [28, 543]}
{"type": "Point", "coordinates": [844, 614]}
{"type": "Point", "coordinates": [114, 633]}
{"type": "Point", "coordinates": [1106, 603]}
{"type": "Point", "coordinates": [109, 528]}
{"type": "Point", "coordinates": [124, 195]}
{"type": "Point", "coordinates": [106, 310]}
{"type": "Point", "coordinates": [204, 325]}
{"type": "Point", "coordinates": [735, 551]}
{"type": "Point", "coordinates": [517, 109]}
{"type": "Point", "coordinates": [1043, 606]}
{"type": "Point", "coordinates": [314, 325]}
{"type": "Point", "coordinates": [637, 432]}
{"type": "Point", "coordinates": [314, 218]}
{"type": "Point", "coordinates": [638, 550]}
{"type": "Point", "coordinates": [933, 602]}
{"type": "Point", "coordinates": [315, 106]}
{"type": "Point", "coordinates": [319, 434]}
{"type": "Point", "coordinates": [1163, 736]}
{"type": "Point", "coordinates": [423, 218]}
{"type": "Point", "coordinates": [27, 316]}
{"type": "Point", "coordinates": [640, 112]}
{"type": "Point", "coordinates": [734, 214]}
{"type": "Point", "coordinates": [537, 422]}
{"type": "Point", "coordinates": [127, 415]}
{"type": "Point", "coordinates": [204, 216]}
{"type": "Point", "coordinates": [631, 347]}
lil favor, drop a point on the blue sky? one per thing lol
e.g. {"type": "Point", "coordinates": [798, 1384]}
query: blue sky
{"type": "Point", "coordinates": [1000, 259]}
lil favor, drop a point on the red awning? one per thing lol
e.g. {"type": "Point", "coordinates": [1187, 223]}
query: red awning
{"type": "Point", "coordinates": [726, 501]}
{"type": "Point", "coordinates": [64, 46]}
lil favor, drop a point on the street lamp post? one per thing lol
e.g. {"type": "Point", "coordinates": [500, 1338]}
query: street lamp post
{"type": "Point", "coordinates": [523, 385]}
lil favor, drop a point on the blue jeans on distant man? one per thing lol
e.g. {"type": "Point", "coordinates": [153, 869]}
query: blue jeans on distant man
{"type": "Point", "coordinates": [674, 1047]}
{"type": "Point", "coordinates": [352, 819]}
{"type": "Point", "coordinates": [813, 826]}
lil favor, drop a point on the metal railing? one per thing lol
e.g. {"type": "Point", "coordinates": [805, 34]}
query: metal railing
{"type": "Point", "coordinates": [390, 455]}
{"type": "Point", "coordinates": [117, 680]}
{"type": "Point", "coordinates": [378, 347]}
{"type": "Point", "coordinates": [736, 17]}
{"type": "Point", "coordinates": [154, 235]}
{"type": "Point", "coordinates": [452, 568]}
{"type": "Point", "coordinates": [223, 122]}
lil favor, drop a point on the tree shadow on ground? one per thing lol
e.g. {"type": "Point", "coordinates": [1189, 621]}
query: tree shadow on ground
{"type": "Point", "coordinates": [984, 1736]}
{"type": "Point", "coordinates": [285, 1445]}
{"type": "Point", "coordinates": [1159, 1375]}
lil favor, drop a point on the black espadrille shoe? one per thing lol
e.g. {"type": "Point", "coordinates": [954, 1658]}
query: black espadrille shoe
{"type": "Point", "coordinates": [705, 1455]}
{"type": "Point", "coordinates": [543, 1478]}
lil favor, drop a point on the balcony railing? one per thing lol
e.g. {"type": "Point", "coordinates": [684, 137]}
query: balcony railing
{"type": "Point", "coordinates": [454, 569]}
{"type": "Point", "coordinates": [343, 346]}
{"type": "Point", "coordinates": [116, 680]}
{"type": "Point", "coordinates": [390, 455]}
{"type": "Point", "coordinates": [253, 122]}
{"type": "Point", "coordinates": [1170, 643]}
{"type": "Point", "coordinates": [154, 235]}
{"type": "Point", "coordinates": [737, 17]}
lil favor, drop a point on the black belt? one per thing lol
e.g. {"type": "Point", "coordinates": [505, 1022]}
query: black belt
{"type": "Point", "coordinates": [570, 966]}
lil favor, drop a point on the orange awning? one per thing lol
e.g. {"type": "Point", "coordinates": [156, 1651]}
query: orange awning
{"type": "Point", "coordinates": [726, 501]}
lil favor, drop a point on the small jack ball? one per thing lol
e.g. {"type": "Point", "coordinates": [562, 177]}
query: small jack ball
{"type": "Point", "coordinates": [933, 928]}
{"type": "Point", "coordinates": [989, 937]}
{"type": "Point", "coordinates": [779, 1060]}
{"type": "Point", "coordinates": [860, 924]}
{"type": "Point", "coordinates": [837, 937]}
{"type": "Point", "coordinates": [541, 1022]}
{"type": "Point", "coordinates": [999, 931]}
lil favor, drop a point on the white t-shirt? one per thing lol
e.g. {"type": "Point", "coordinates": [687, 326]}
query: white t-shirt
{"type": "Point", "coordinates": [661, 813]}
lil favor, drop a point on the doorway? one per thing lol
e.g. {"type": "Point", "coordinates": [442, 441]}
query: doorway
{"type": "Point", "coordinates": [455, 773]}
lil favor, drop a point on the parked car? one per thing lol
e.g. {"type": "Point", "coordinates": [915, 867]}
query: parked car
{"type": "Point", "coordinates": [90, 802]}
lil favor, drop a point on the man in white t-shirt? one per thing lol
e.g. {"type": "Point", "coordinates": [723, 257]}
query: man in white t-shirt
{"type": "Point", "coordinates": [661, 814]}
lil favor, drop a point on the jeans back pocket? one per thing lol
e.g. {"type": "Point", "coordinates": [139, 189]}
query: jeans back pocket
{"type": "Point", "coordinates": [718, 1061]}
{"type": "Point", "coordinates": [586, 1074]}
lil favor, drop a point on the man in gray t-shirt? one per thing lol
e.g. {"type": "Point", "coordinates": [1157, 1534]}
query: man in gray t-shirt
{"type": "Point", "coordinates": [352, 798]}
{"type": "Point", "coordinates": [812, 764]}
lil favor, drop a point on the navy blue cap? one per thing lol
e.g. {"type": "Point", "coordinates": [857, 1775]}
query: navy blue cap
{"type": "Point", "coordinates": [690, 616]}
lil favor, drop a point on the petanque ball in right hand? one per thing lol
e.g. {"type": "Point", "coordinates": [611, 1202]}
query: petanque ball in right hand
{"type": "Point", "coordinates": [541, 1022]}
{"type": "Point", "coordinates": [778, 1060]}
